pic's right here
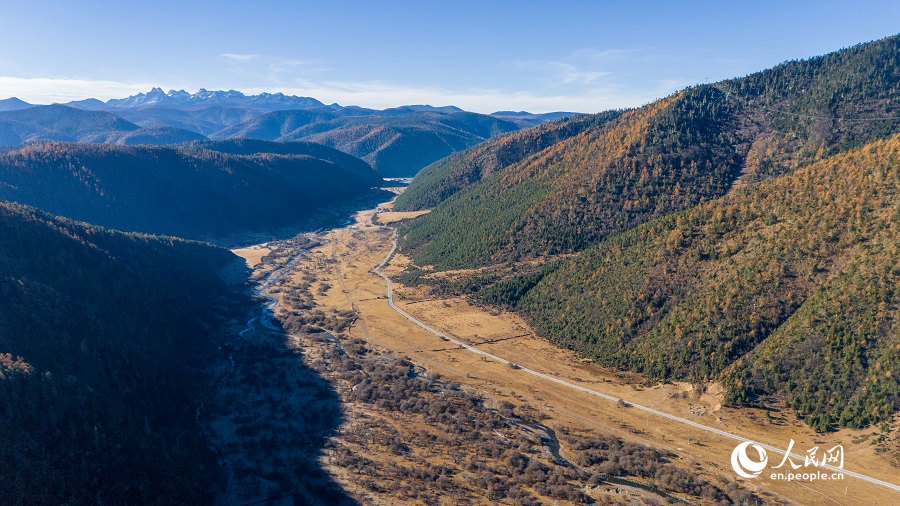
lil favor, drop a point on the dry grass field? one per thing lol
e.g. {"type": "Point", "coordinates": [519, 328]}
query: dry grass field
{"type": "Point", "coordinates": [252, 254]}
{"type": "Point", "coordinates": [386, 217]}
{"type": "Point", "coordinates": [337, 276]}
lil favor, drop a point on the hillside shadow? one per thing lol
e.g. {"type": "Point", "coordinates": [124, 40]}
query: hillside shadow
{"type": "Point", "coordinates": [271, 419]}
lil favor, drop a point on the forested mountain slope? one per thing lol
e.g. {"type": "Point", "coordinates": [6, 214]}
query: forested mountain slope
{"type": "Point", "coordinates": [438, 181]}
{"type": "Point", "coordinates": [350, 163]}
{"type": "Point", "coordinates": [787, 289]}
{"type": "Point", "coordinates": [202, 190]}
{"type": "Point", "coordinates": [528, 119]}
{"type": "Point", "coordinates": [668, 156]}
{"type": "Point", "coordinates": [103, 341]}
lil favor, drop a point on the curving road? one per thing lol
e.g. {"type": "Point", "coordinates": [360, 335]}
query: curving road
{"type": "Point", "coordinates": [431, 330]}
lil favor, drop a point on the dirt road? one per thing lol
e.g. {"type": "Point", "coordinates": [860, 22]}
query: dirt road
{"type": "Point", "coordinates": [605, 396]}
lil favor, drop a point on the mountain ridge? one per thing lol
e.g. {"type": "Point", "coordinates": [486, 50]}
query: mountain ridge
{"type": "Point", "coordinates": [440, 180]}
{"type": "Point", "coordinates": [664, 157]}
{"type": "Point", "coordinates": [13, 104]}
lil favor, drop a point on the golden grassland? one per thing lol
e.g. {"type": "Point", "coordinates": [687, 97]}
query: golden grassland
{"type": "Point", "coordinates": [252, 254]}
{"type": "Point", "coordinates": [341, 267]}
{"type": "Point", "coordinates": [395, 216]}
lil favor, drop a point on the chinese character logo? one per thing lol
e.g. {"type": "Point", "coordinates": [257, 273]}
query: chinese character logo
{"type": "Point", "coordinates": [833, 457]}
{"type": "Point", "coordinates": [746, 466]}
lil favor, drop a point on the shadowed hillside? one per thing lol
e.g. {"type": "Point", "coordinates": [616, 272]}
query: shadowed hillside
{"type": "Point", "coordinates": [203, 190]}
{"type": "Point", "coordinates": [108, 343]}
{"type": "Point", "coordinates": [102, 340]}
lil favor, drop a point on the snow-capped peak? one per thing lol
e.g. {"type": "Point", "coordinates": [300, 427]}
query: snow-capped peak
{"type": "Point", "coordinates": [268, 101]}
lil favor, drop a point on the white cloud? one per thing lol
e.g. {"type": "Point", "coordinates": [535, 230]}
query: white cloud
{"type": "Point", "coordinates": [237, 57]}
{"type": "Point", "coordinates": [45, 90]}
{"type": "Point", "coordinates": [601, 55]}
{"type": "Point", "coordinates": [559, 72]}
{"type": "Point", "coordinates": [585, 80]}
{"type": "Point", "coordinates": [381, 94]}
{"type": "Point", "coordinates": [276, 69]}
{"type": "Point", "coordinates": [587, 67]}
{"type": "Point", "coordinates": [576, 82]}
{"type": "Point", "coordinates": [281, 70]}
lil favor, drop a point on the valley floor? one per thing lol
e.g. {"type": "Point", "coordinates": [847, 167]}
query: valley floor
{"type": "Point", "coordinates": [381, 450]}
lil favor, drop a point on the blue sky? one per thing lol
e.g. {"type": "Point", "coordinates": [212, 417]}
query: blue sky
{"type": "Point", "coordinates": [484, 56]}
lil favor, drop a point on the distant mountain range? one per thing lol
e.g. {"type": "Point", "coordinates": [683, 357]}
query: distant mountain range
{"type": "Point", "coordinates": [206, 98]}
{"type": "Point", "coordinates": [397, 142]}
{"type": "Point", "coordinates": [64, 123]}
